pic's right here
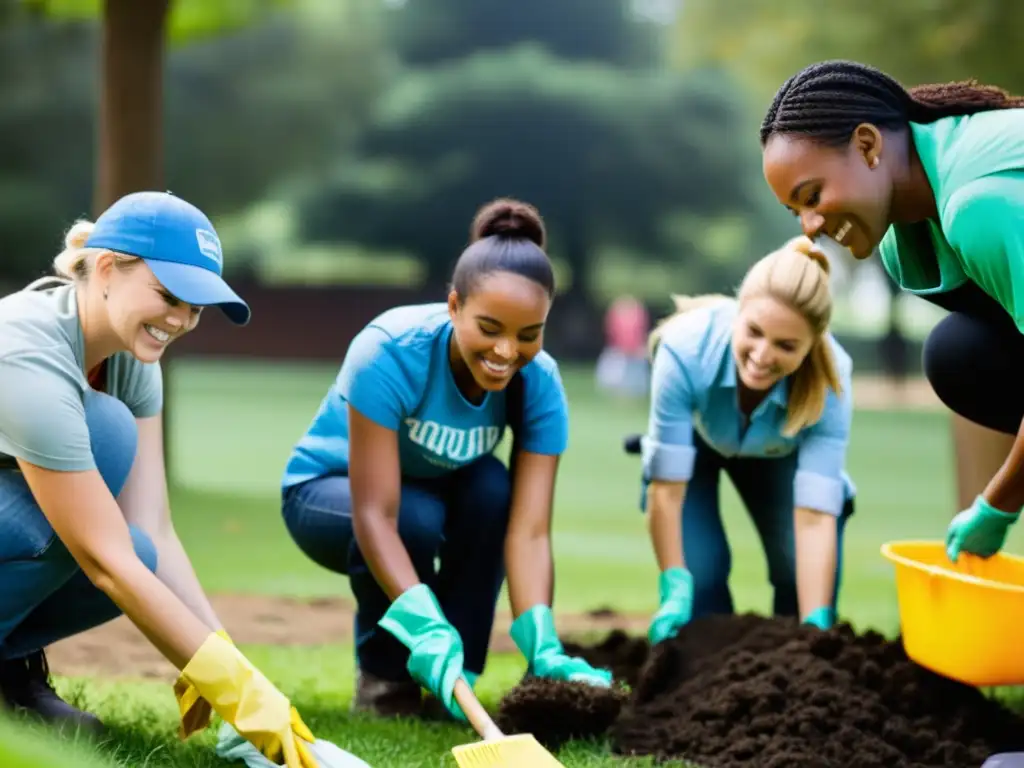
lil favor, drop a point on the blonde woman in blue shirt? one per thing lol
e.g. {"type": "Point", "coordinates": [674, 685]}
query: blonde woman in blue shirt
{"type": "Point", "coordinates": [755, 386]}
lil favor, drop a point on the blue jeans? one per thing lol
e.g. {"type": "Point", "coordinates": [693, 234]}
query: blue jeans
{"type": "Point", "coordinates": [766, 487]}
{"type": "Point", "coordinates": [44, 595]}
{"type": "Point", "coordinates": [459, 520]}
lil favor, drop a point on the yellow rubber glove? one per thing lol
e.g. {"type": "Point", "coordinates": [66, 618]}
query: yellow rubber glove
{"type": "Point", "coordinates": [195, 710]}
{"type": "Point", "coordinates": [243, 697]}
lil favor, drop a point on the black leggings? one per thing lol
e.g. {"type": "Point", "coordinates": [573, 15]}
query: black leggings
{"type": "Point", "coordinates": [974, 359]}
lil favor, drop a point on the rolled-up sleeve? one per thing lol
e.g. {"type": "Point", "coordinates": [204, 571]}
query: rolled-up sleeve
{"type": "Point", "coordinates": [819, 482]}
{"type": "Point", "coordinates": [667, 448]}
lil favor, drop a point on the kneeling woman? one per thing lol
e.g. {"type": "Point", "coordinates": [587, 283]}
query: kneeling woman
{"type": "Point", "coordinates": [87, 530]}
{"type": "Point", "coordinates": [756, 387]}
{"type": "Point", "coordinates": [397, 470]}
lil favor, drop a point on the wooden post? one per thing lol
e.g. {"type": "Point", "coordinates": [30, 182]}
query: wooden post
{"type": "Point", "coordinates": [130, 152]}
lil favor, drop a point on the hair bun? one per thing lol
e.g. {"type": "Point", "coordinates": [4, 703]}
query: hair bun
{"type": "Point", "coordinates": [508, 218]}
{"type": "Point", "coordinates": [78, 235]}
{"type": "Point", "coordinates": [812, 250]}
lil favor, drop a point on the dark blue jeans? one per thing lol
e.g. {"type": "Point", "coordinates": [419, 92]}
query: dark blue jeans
{"type": "Point", "coordinates": [459, 520]}
{"type": "Point", "coordinates": [44, 595]}
{"type": "Point", "coordinates": [766, 487]}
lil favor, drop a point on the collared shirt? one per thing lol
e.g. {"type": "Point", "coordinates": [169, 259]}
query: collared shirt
{"type": "Point", "coordinates": [975, 167]}
{"type": "Point", "coordinates": [694, 387]}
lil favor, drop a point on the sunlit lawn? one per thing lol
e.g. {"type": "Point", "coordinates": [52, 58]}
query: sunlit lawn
{"type": "Point", "coordinates": [232, 429]}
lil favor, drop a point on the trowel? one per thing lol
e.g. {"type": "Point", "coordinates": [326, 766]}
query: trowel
{"type": "Point", "coordinates": [1005, 760]}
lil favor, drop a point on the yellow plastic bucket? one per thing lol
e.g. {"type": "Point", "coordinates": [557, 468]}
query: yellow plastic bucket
{"type": "Point", "coordinates": [962, 620]}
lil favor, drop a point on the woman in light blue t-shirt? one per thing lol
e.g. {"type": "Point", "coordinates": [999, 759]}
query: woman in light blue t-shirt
{"type": "Point", "coordinates": [397, 473]}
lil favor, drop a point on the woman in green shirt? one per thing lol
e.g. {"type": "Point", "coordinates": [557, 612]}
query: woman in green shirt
{"type": "Point", "coordinates": [933, 177]}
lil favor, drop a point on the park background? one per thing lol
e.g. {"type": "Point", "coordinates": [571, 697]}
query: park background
{"type": "Point", "coordinates": [341, 148]}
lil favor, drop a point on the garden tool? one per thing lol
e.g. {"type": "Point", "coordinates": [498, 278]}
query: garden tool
{"type": "Point", "coordinates": [496, 750]}
{"type": "Point", "coordinates": [1005, 760]}
{"type": "Point", "coordinates": [232, 746]}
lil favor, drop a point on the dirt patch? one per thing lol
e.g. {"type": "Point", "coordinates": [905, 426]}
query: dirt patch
{"type": "Point", "coordinates": [555, 712]}
{"type": "Point", "coordinates": [118, 649]}
{"type": "Point", "coordinates": [728, 691]}
{"type": "Point", "coordinates": [751, 690]}
{"type": "Point", "coordinates": [619, 652]}
{"type": "Point", "coordinates": [748, 690]}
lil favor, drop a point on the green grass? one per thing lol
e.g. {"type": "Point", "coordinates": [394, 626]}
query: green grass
{"type": "Point", "coordinates": [233, 426]}
{"type": "Point", "coordinates": [143, 719]}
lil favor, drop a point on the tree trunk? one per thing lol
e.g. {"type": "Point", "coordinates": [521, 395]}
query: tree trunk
{"type": "Point", "coordinates": [131, 100]}
{"type": "Point", "coordinates": [130, 129]}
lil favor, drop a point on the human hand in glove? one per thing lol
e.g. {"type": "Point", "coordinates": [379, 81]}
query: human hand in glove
{"type": "Point", "coordinates": [435, 648]}
{"type": "Point", "coordinates": [246, 699]}
{"type": "Point", "coordinates": [981, 530]}
{"type": "Point", "coordinates": [675, 594]}
{"type": "Point", "coordinates": [823, 618]}
{"type": "Point", "coordinates": [195, 710]}
{"type": "Point", "coordinates": [534, 634]}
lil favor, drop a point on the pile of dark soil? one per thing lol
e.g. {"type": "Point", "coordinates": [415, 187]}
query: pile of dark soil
{"type": "Point", "coordinates": [735, 691]}
{"type": "Point", "coordinates": [623, 655]}
{"type": "Point", "coordinates": [748, 690]}
{"type": "Point", "coordinates": [555, 711]}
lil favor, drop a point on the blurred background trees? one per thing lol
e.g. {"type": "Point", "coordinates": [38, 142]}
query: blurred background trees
{"type": "Point", "coordinates": [347, 143]}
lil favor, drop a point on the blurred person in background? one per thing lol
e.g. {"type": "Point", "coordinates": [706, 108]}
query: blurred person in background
{"type": "Point", "coordinates": [933, 177]}
{"type": "Point", "coordinates": [84, 510]}
{"type": "Point", "coordinates": [757, 387]}
{"type": "Point", "coordinates": [397, 471]}
{"type": "Point", "coordinates": [622, 366]}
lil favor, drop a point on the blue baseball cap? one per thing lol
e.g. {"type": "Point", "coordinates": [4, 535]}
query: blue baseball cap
{"type": "Point", "coordinates": [177, 242]}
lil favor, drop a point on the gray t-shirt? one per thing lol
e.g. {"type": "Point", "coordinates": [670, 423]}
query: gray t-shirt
{"type": "Point", "coordinates": [43, 380]}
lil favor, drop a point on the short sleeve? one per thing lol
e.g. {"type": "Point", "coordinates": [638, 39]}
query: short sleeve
{"type": "Point", "coordinates": [143, 390]}
{"type": "Point", "coordinates": [42, 419]}
{"type": "Point", "coordinates": [371, 379]}
{"type": "Point", "coordinates": [984, 222]}
{"type": "Point", "coordinates": [546, 412]}
{"type": "Point", "coordinates": [667, 448]}
{"type": "Point", "coordinates": [821, 460]}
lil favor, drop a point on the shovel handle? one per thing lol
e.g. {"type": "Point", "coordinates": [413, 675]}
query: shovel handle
{"type": "Point", "coordinates": [475, 712]}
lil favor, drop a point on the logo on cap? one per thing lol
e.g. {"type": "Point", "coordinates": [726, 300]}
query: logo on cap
{"type": "Point", "coordinates": [209, 246]}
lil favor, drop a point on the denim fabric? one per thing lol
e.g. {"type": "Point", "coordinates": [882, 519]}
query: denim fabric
{"type": "Point", "coordinates": [44, 595]}
{"type": "Point", "coordinates": [766, 488]}
{"type": "Point", "coordinates": [459, 520]}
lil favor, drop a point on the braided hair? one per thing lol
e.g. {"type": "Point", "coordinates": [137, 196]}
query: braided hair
{"type": "Point", "coordinates": [828, 100]}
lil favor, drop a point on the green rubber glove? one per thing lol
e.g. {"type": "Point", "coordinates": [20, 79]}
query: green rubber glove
{"type": "Point", "coordinates": [675, 594]}
{"type": "Point", "coordinates": [435, 648]}
{"type": "Point", "coordinates": [823, 618]}
{"type": "Point", "coordinates": [534, 635]}
{"type": "Point", "coordinates": [980, 530]}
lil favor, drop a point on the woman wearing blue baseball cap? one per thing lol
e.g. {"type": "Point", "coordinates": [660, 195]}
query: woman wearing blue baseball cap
{"type": "Point", "coordinates": [85, 528]}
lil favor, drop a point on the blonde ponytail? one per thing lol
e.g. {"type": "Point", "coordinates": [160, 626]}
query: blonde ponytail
{"type": "Point", "coordinates": [797, 275]}
{"type": "Point", "coordinates": [809, 387]}
{"type": "Point", "coordinates": [73, 262]}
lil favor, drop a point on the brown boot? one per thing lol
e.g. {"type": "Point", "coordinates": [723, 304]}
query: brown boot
{"type": "Point", "coordinates": [385, 698]}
